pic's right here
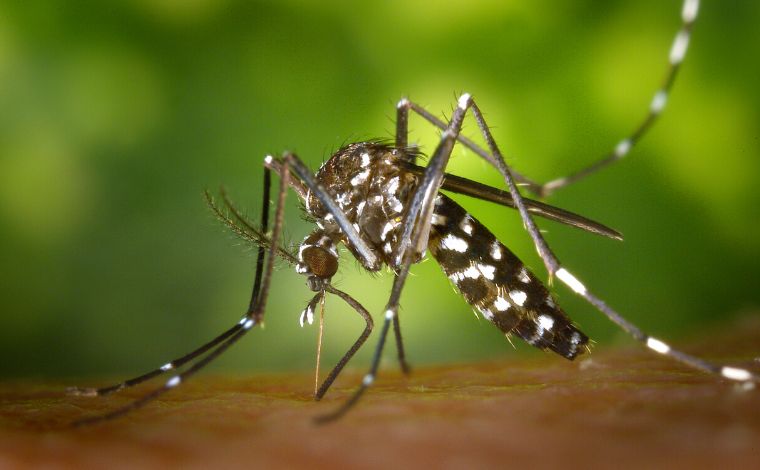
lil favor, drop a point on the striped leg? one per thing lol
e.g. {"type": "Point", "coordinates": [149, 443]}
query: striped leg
{"type": "Point", "coordinates": [676, 56]}
{"type": "Point", "coordinates": [179, 362]}
{"type": "Point", "coordinates": [555, 268]}
{"type": "Point", "coordinates": [416, 231]}
{"type": "Point", "coordinates": [252, 317]}
{"type": "Point", "coordinates": [677, 53]}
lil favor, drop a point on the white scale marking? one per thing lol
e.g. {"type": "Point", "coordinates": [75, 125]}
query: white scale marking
{"type": "Point", "coordinates": [734, 373]}
{"type": "Point", "coordinates": [389, 314]}
{"type": "Point", "coordinates": [680, 44]}
{"type": "Point", "coordinates": [519, 297]}
{"type": "Point", "coordinates": [472, 272]}
{"type": "Point", "coordinates": [367, 380]}
{"type": "Point", "coordinates": [658, 102]}
{"type": "Point", "coordinates": [360, 178]}
{"type": "Point", "coordinates": [248, 324]}
{"type": "Point", "coordinates": [622, 148]}
{"type": "Point", "coordinates": [464, 101]}
{"type": "Point", "coordinates": [466, 225]}
{"type": "Point", "coordinates": [545, 323]}
{"type": "Point", "coordinates": [386, 229]}
{"type": "Point", "coordinates": [396, 205]}
{"type": "Point", "coordinates": [501, 304]}
{"type": "Point", "coordinates": [360, 208]}
{"type": "Point", "coordinates": [523, 276]}
{"type": "Point", "coordinates": [496, 250]}
{"type": "Point", "coordinates": [451, 242]}
{"type": "Point", "coordinates": [167, 366]}
{"type": "Point", "coordinates": [365, 159]}
{"type": "Point", "coordinates": [657, 345]}
{"type": "Point", "coordinates": [438, 220]}
{"type": "Point", "coordinates": [393, 185]}
{"type": "Point", "coordinates": [487, 271]}
{"type": "Point", "coordinates": [173, 382]}
{"type": "Point", "coordinates": [307, 316]}
{"type": "Point", "coordinates": [572, 282]}
{"type": "Point", "coordinates": [342, 199]}
{"type": "Point", "coordinates": [690, 9]}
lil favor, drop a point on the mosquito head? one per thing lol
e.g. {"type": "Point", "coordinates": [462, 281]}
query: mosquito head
{"type": "Point", "coordinates": [317, 259]}
{"type": "Point", "coordinates": [322, 265]}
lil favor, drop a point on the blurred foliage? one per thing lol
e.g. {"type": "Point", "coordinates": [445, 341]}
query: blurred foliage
{"type": "Point", "coordinates": [116, 115]}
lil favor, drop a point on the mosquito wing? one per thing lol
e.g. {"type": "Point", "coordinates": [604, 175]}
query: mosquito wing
{"type": "Point", "coordinates": [459, 185]}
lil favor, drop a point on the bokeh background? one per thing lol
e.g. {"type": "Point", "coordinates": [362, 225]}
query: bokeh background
{"type": "Point", "coordinates": [115, 116]}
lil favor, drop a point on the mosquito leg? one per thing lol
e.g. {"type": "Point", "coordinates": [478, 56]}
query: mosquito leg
{"type": "Point", "coordinates": [179, 362]}
{"type": "Point", "coordinates": [370, 376]}
{"type": "Point", "coordinates": [405, 367]}
{"type": "Point", "coordinates": [547, 255]}
{"type": "Point", "coordinates": [416, 229]}
{"type": "Point", "coordinates": [174, 364]}
{"type": "Point", "coordinates": [253, 317]}
{"type": "Point", "coordinates": [555, 268]}
{"type": "Point", "coordinates": [676, 56]}
{"type": "Point", "coordinates": [431, 118]}
{"type": "Point", "coordinates": [656, 345]}
{"type": "Point", "coordinates": [261, 251]}
{"type": "Point", "coordinates": [677, 53]}
{"type": "Point", "coordinates": [402, 142]}
{"type": "Point", "coordinates": [354, 348]}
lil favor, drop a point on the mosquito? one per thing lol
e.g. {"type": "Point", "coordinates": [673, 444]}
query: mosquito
{"type": "Point", "coordinates": [373, 198]}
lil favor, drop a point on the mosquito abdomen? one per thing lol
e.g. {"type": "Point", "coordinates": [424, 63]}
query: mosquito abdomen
{"type": "Point", "coordinates": [494, 281]}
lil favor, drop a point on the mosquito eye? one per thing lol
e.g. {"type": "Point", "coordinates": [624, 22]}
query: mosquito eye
{"type": "Point", "coordinates": [320, 262]}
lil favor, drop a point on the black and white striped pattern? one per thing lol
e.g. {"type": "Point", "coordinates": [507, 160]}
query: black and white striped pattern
{"type": "Point", "coordinates": [494, 281]}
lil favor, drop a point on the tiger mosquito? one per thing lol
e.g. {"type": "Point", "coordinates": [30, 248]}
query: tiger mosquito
{"type": "Point", "coordinates": [387, 211]}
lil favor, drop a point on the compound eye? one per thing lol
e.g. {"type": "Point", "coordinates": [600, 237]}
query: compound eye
{"type": "Point", "coordinates": [320, 261]}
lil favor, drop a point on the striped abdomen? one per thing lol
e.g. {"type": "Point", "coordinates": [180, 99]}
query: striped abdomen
{"type": "Point", "coordinates": [494, 281]}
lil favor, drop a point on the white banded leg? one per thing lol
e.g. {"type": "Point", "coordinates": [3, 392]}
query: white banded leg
{"type": "Point", "coordinates": [416, 228]}
{"type": "Point", "coordinates": [655, 344]}
{"type": "Point", "coordinates": [181, 361]}
{"type": "Point", "coordinates": [252, 317]}
{"type": "Point", "coordinates": [554, 267]}
{"type": "Point", "coordinates": [677, 53]}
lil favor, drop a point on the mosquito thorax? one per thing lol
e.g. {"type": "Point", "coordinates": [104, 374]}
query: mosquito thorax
{"type": "Point", "coordinates": [373, 190]}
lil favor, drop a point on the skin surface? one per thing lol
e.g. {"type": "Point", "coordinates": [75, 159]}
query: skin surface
{"type": "Point", "coordinates": [628, 408]}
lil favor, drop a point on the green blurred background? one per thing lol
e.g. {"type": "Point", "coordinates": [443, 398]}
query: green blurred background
{"type": "Point", "coordinates": [114, 116]}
